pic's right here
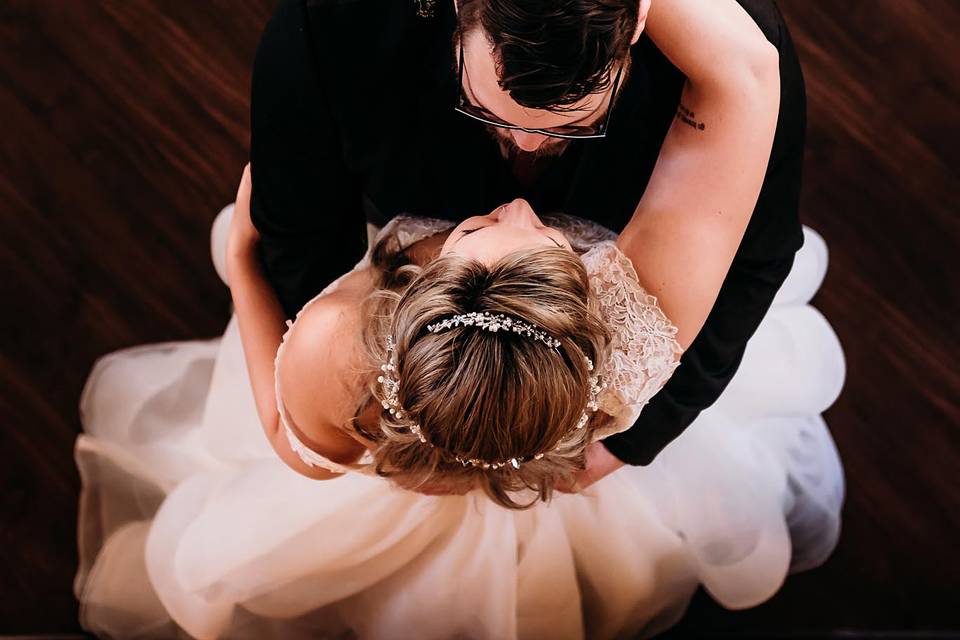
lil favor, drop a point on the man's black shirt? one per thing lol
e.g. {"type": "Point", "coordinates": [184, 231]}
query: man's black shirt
{"type": "Point", "coordinates": [352, 120]}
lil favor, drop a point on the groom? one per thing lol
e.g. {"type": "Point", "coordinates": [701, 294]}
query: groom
{"type": "Point", "coordinates": [680, 125]}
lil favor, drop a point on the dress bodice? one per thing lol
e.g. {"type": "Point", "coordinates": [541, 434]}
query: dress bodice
{"type": "Point", "coordinates": [643, 349]}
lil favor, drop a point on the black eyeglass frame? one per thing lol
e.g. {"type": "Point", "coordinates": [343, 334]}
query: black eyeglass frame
{"type": "Point", "coordinates": [463, 103]}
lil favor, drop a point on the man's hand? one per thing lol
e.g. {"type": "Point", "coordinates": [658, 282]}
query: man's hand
{"type": "Point", "coordinates": [437, 486]}
{"type": "Point", "coordinates": [600, 464]}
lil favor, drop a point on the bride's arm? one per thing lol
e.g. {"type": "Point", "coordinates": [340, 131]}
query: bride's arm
{"type": "Point", "coordinates": [259, 315]}
{"type": "Point", "coordinates": [687, 227]}
{"type": "Point", "coordinates": [307, 358]}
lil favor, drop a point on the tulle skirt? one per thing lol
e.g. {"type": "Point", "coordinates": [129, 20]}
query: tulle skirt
{"type": "Point", "coordinates": [190, 526]}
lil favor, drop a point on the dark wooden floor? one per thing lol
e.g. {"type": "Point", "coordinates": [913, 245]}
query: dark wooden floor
{"type": "Point", "coordinates": [124, 129]}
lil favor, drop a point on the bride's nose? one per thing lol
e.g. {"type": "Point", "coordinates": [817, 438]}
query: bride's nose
{"type": "Point", "coordinates": [519, 213]}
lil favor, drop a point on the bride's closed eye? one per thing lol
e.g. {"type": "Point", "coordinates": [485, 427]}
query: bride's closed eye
{"type": "Point", "coordinates": [465, 232]}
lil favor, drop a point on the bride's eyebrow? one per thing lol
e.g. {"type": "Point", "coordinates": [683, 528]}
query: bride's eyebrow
{"type": "Point", "coordinates": [465, 232]}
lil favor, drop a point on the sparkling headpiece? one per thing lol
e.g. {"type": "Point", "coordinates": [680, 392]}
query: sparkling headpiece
{"type": "Point", "coordinates": [494, 322]}
{"type": "Point", "coordinates": [488, 322]}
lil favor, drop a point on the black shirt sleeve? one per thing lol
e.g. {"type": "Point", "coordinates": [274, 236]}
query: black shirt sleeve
{"type": "Point", "coordinates": [303, 194]}
{"type": "Point", "coordinates": [762, 263]}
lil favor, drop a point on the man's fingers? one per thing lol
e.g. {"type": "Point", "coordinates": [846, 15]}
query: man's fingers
{"type": "Point", "coordinates": [568, 486]}
{"type": "Point", "coordinates": [440, 489]}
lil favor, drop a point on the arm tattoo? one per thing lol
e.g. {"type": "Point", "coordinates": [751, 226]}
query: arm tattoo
{"type": "Point", "coordinates": [689, 117]}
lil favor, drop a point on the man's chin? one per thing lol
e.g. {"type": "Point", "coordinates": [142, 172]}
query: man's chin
{"type": "Point", "coordinates": [508, 148]}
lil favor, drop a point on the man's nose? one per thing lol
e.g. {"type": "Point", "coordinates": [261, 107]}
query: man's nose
{"type": "Point", "coordinates": [527, 141]}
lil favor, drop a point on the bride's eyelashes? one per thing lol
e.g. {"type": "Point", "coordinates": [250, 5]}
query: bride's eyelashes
{"type": "Point", "coordinates": [465, 232]}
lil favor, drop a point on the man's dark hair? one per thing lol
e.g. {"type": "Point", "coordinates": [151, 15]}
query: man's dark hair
{"type": "Point", "coordinates": [551, 54]}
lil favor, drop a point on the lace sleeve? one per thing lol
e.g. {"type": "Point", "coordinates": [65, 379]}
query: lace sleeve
{"type": "Point", "coordinates": [643, 351]}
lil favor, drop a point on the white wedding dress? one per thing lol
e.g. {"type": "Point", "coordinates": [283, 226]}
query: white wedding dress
{"type": "Point", "coordinates": [190, 525]}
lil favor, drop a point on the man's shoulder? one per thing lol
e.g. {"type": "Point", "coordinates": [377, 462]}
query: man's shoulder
{"type": "Point", "coordinates": [350, 26]}
{"type": "Point", "coordinates": [766, 15]}
{"type": "Point", "coordinates": [359, 25]}
{"type": "Point", "coordinates": [370, 48]}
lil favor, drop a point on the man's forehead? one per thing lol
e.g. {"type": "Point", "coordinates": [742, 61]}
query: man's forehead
{"type": "Point", "coordinates": [481, 77]}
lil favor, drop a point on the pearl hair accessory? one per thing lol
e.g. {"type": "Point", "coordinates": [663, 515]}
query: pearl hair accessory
{"type": "Point", "coordinates": [488, 322]}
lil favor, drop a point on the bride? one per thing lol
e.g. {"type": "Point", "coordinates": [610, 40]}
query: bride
{"type": "Point", "coordinates": [500, 340]}
{"type": "Point", "coordinates": [476, 361]}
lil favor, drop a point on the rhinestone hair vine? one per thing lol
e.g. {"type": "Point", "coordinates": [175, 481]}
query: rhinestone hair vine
{"type": "Point", "coordinates": [390, 381]}
{"type": "Point", "coordinates": [493, 323]}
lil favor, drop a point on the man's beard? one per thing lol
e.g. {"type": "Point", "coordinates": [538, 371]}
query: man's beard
{"type": "Point", "coordinates": [551, 148]}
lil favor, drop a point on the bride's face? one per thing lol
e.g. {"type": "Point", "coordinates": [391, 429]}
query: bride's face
{"type": "Point", "coordinates": [507, 228]}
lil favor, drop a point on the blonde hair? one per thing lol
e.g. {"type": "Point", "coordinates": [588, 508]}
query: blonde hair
{"type": "Point", "coordinates": [481, 394]}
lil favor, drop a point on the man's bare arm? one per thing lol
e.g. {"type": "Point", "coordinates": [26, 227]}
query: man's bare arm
{"type": "Point", "coordinates": [687, 227]}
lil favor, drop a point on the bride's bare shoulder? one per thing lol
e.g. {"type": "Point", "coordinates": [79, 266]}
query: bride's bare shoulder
{"type": "Point", "coordinates": [320, 371]}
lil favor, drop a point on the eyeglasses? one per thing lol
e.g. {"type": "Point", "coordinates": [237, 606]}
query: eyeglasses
{"type": "Point", "coordinates": [572, 131]}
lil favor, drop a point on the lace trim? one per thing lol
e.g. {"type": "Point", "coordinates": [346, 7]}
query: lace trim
{"type": "Point", "coordinates": [643, 352]}
{"type": "Point", "coordinates": [409, 230]}
{"type": "Point", "coordinates": [582, 234]}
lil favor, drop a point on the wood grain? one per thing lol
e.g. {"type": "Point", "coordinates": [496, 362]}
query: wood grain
{"type": "Point", "coordinates": [125, 127]}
